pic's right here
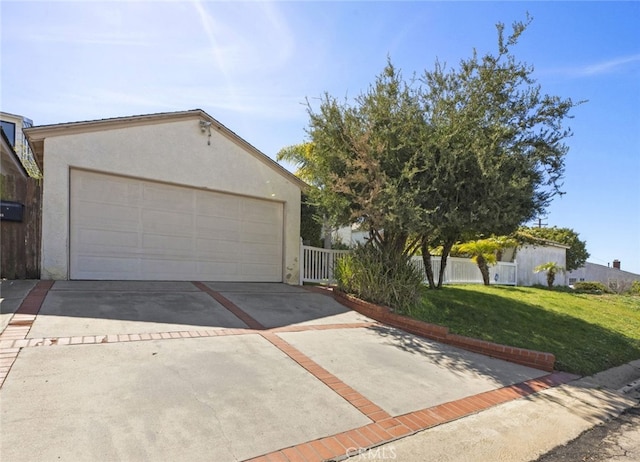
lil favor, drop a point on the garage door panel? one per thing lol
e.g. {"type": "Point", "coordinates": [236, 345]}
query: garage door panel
{"type": "Point", "coordinates": [217, 227]}
{"type": "Point", "coordinates": [124, 228]}
{"type": "Point", "coordinates": [159, 245]}
{"type": "Point", "coordinates": [217, 205]}
{"type": "Point", "coordinates": [111, 241]}
{"type": "Point", "coordinates": [163, 268]}
{"type": "Point", "coordinates": [254, 212]}
{"type": "Point", "coordinates": [95, 266]}
{"type": "Point", "coordinates": [163, 197]}
{"type": "Point", "coordinates": [254, 238]}
{"type": "Point", "coordinates": [226, 270]}
{"type": "Point", "coordinates": [257, 250]}
{"type": "Point", "coordinates": [218, 250]}
{"type": "Point", "coordinates": [107, 216]}
{"type": "Point", "coordinates": [258, 273]}
{"type": "Point", "coordinates": [96, 187]}
{"type": "Point", "coordinates": [167, 223]}
{"type": "Point", "coordinates": [258, 232]}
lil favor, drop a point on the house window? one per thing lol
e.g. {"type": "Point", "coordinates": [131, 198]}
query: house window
{"type": "Point", "coordinates": [9, 129]}
{"type": "Point", "coordinates": [572, 281]}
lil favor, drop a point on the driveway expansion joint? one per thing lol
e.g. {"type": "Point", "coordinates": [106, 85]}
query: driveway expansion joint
{"type": "Point", "coordinates": [229, 305]}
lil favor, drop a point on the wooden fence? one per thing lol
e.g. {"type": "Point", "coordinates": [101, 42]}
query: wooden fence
{"type": "Point", "coordinates": [20, 241]}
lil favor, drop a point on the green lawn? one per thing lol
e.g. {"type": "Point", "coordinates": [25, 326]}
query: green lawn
{"type": "Point", "coordinates": [587, 333]}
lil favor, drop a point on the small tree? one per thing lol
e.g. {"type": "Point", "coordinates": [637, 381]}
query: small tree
{"type": "Point", "coordinates": [551, 268]}
{"type": "Point", "coordinates": [310, 225]}
{"type": "Point", "coordinates": [484, 252]}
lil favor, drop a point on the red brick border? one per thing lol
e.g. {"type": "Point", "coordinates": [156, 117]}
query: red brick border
{"type": "Point", "coordinates": [531, 358]}
{"type": "Point", "coordinates": [20, 325]}
{"type": "Point", "coordinates": [229, 305]}
{"type": "Point", "coordinates": [358, 440]}
{"type": "Point", "coordinates": [368, 408]}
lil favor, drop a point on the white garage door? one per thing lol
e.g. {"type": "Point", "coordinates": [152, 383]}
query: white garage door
{"type": "Point", "coordinates": [123, 228]}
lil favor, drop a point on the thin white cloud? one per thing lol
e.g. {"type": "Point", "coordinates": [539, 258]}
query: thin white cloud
{"type": "Point", "coordinates": [246, 38]}
{"type": "Point", "coordinates": [610, 66]}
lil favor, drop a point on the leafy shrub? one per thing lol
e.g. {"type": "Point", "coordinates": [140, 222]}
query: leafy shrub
{"type": "Point", "coordinates": [590, 287]}
{"type": "Point", "coordinates": [382, 279]}
{"type": "Point", "coordinates": [635, 288]}
{"type": "Point", "coordinates": [619, 286]}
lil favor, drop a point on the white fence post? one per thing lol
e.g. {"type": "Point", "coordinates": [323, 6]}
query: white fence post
{"type": "Point", "coordinates": [301, 262]}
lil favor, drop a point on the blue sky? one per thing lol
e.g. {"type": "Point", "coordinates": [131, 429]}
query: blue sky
{"type": "Point", "coordinates": [252, 66]}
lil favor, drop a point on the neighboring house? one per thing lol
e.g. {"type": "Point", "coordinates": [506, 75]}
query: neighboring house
{"type": "Point", "coordinates": [529, 256]}
{"type": "Point", "coordinates": [350, 235]}
{"type": "Point", "coordinates": [13, 125]}
{"type": "Point", "coordinates": [613, 277]}
{"type": "Point", "coordinates": [169, 196]}
{"type": "Point", "coordinates": [11, 166]}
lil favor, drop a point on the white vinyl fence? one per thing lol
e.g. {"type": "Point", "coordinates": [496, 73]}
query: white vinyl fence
{"type": "Point", "coordinates": [317, 265]}
{"type": "Point", "coordinates": [464, 271]}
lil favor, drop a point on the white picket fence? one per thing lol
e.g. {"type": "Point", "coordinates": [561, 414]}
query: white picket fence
{"type": "Point", "coordinates": [464, 271]}
{"type": "Point", "coordinates": [317, 265]}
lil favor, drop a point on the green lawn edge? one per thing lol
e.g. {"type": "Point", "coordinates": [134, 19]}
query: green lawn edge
{"type": "Point", "coordinates": [586, 333]}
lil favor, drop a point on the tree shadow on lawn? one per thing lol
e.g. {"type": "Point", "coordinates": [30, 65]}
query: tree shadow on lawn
{"type": "Point", "coordinates": [580, 347]}
{"type": "Point", "coordinates": [467, 366]}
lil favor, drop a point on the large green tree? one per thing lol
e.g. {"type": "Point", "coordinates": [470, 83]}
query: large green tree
{"type": "Point", "coordinates": [461, 154]}
{"type": "Point", "coordinates": [498, 140]}
{"type": "Point", "coordinates": [361, 161]}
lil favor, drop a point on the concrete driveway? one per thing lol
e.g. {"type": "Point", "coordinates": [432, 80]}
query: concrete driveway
{"type": "Point", "coordinates": [225, 372]}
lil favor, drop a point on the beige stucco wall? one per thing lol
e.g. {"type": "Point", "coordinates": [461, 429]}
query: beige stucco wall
{"type": "Point", "coordinates": [174, 152]}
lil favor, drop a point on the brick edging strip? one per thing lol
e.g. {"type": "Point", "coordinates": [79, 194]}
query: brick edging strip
{"type": "Point", "coordinates": [359, 440]}
{"type": "Point", "coordinates": [229, 305]}
{"type": "Point", "coordinates": [20, 325]}
{"type": "Point", "coordinates": [356, 399]}
{"type": "Point", "coordinates": [536, 359]}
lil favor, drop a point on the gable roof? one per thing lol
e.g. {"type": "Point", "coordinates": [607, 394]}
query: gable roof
{"type": "Point", "coordinates": [10, 153]}
{"type": "Point", "coordinates": [37, 135]}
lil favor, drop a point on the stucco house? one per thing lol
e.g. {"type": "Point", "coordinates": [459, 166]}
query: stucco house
{"type": "Point", "coordinates": [613, 277]}
{"type": "Point", "coordinates": [10, 162]}
{"type": "Point", "coordinates": [169, 196]}
{"type": "Point", "coordinates": [529, 256]}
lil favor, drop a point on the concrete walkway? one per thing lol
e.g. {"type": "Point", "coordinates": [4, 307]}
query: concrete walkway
{"type": "Point", "coordinates": [219, 371]}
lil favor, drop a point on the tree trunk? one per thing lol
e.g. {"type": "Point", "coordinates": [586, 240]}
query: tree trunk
{"type": "Point", "coordinates": [446, 248]}
{"type": "Point", "coordinates": [551, 276]}
{"type": "Point", "coordinates": [426, 261]}
{"type": "Point", "coordinates": [484, 270]}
